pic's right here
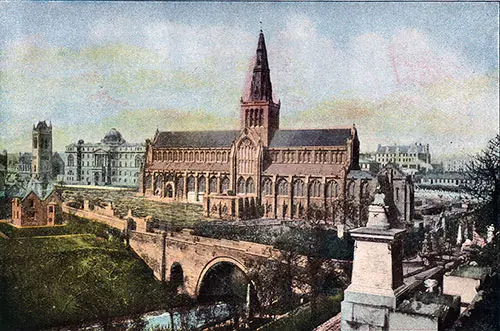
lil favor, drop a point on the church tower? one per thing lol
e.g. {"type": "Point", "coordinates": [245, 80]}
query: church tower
{"type": "Point", "coordinates": [259, 113]}
{"type": "Point", "coordinates": [41, 167]}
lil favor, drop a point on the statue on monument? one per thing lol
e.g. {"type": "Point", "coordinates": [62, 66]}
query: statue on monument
{"type": "Point", "coordinates": [379, 199]}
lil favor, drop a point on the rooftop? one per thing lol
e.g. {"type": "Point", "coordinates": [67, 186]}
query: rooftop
{"type": "Point", "coordinates": [282, 138]}
{"type": "Point", "coordinates": [388, 149]}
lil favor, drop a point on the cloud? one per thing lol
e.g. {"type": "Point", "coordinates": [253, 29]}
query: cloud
{"type": "Point", "coordinates": [370, 71]}
{"type": "Point", "coordinates": [453, 116]}
{"type": "Point", "coordinates": [400, 86]}
{"type": "Point", "coordinates": [305, 66]}
{"type": "Point", "coordinates": [417, 61]}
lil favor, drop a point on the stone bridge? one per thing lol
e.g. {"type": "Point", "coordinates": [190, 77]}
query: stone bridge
{"type": "Point", "coordinates": [182, 257]}
{"type": "Point", "coordinates": [173, 253]}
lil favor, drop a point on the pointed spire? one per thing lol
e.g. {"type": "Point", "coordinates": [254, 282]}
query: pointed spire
{"type": "Point", "coordinates": [261, 89]}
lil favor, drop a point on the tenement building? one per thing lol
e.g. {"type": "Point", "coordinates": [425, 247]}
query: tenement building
{"type": "Point", "coordinates": [112, 161]}
{"type": "Point", "coordinates": [410, 158]}
{"type": "Point", "coordinates": [260, 169]}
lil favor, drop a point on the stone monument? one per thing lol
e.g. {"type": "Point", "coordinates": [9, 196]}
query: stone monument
{"type": "Point", "coordinates": [491, 233]}
{"type": "Point", "coordinates": [459, 235]}
{"type": "Point", "coordinates": [377, 275]}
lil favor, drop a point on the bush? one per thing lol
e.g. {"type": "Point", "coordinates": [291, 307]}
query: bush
{"type": "Point", "coordinates": [51, 281]}
{"type": "Point", "coordinates": [412, 242]}
{"type": "Point", "coordinates": [326, 243]}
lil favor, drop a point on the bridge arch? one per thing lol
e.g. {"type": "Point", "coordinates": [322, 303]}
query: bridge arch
{"type": "Point", "coordinates": [215, 261]}
{"type": "Point", "coordinates": [176, 275]}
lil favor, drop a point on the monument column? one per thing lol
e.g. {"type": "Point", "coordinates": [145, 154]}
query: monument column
{"type": "Point", "coordinates": [377, 275]}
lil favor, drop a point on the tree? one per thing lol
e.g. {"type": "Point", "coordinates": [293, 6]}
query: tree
{"type": "Point", "coordinates": [274, 279]}
{"type": "Point", "coordinates": [483, 174]}
{"type": "Point", "coordinates": [341, 210]}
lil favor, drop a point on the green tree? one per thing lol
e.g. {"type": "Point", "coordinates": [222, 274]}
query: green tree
{"type": "Point", "coordinates": [483, 174]}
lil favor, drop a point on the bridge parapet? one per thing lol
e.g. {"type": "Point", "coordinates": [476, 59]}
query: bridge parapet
{"type": "Point", "coordinates": [242, 246]}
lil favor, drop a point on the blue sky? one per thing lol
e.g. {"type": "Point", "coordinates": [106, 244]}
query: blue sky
{"type": "Point", "coordinates": [403, 72]}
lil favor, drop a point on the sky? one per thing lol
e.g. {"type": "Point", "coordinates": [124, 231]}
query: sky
{"type": "Point", "coordinates": [401, 72]}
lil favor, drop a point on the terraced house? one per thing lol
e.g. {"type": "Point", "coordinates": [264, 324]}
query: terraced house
{"type": "Point", "coordinates": [259, 169]}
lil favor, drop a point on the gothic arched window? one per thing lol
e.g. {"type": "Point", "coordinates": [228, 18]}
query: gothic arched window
{"type": "Point", "coordinates": [247, 157]}
{"type": "Point", "coordinates": [298, 188]}
{"type": "Point", "coordinates": [315, 188]}
{"type": "Point", "coordinates": [365, 190]}
{"type": "Point", "coordinates": [169, 191]}
{"type": "Point", "coordinates": [267, 185]}
{"type": "Point", "coordinates": [138, 161]}
{"type": "Point", "coordinates": [212, 184]}
{"type": "Point", "coordinates": [282, 187]}
{"type": "Point", "coordinates": [250, 186]}
{"type": "Point", "coordinates": [147, 181]}
{"type": "Point", "coordinates": [351, 189]}
{"type": "Point", "coordinates": [332, 189]}
{"type": "Point", "coordinates": [158, 183]}
{"type": "Point", "coordinates": [201, 184]}
{"type": "Point", "coordinates": [241, 185]}
{"type": "Point", "coordinates": [225, 184]}
{"type": "Point", "coordinates": [190, 184]}
{"type": "Point", "coordinates": [180, 187]}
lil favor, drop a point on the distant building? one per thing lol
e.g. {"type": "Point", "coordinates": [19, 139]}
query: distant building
{"type": "Point", "coordinates": [456, 165]}
{"type": "Point", "coordinates": [368, 163]}
{"type": "Point", "coordinates": [409, 158]}
{"type": "Point", "coordinates": [41, 163]}
{"type": "Point", "coordinates": [12, 168]}
{"type": "Point", "coordinates": [445, 180]}
{"type": "Point", "coordinates": [24, 165]}
{"type": "Point", "coordinates": [57, 167]}
{"type": "Point", "coordinates": [39, 205]}
{"type": "Point", "coordinates": [112, 161]}
{"type": "Point", "coordinates": [41, 160]}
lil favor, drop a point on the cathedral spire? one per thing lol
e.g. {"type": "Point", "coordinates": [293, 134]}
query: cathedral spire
{"type": "Point", "coordinates": [261, 89]}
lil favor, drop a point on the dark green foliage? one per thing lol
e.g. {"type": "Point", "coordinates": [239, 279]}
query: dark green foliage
{"type": "Point", "coordinates": [486, 313]}
{"type": "Point", "coordinates": [303, 240]}
{"type": "Point", "coordinates": [412, 242]}
{"type": "Point", "coordinates": [483, 184]}
{"type": "Point", "coordinates": [71, 279]}
{"type": "Point", "coordinates": [73, 225]}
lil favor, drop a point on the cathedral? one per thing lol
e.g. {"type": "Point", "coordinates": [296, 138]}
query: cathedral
{"type": "Point", "coordinates": [259, 170]}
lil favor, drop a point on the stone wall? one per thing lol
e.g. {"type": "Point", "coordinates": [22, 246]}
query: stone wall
{"type": "Point", "coordinates": [150, 247]}
{"type": "Point", "coordinates": [403, 321]}
{"type": "Point", "coordinates": [107, 217]}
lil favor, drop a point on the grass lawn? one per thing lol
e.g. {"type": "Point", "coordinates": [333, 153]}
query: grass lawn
{"type": "Point", "coordinates": [71, 279]}
{"type": "Point", "coordinates": [174, 213]}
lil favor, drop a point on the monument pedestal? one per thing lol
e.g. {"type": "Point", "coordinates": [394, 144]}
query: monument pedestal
{"type": "Point", "coordinates": [377, 275]}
